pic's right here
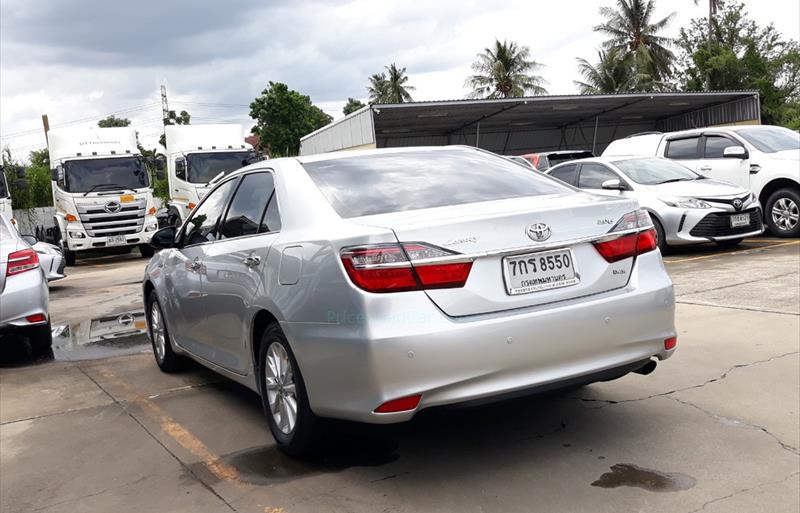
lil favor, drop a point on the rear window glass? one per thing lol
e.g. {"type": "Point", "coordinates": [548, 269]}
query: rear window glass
{"type": "Point", "coordinates": [566, 157]}
{"type": "Point", "coordinates": [397, 182]}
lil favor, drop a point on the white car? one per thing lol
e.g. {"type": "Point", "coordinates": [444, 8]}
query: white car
{"type": "Point", "coordinates": [761, 158]}
{"type": "Point", "coordinates": [51, 258]}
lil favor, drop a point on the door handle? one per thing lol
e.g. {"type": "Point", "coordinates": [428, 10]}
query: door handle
{"type": "Point", "coordinates": [252, 260]}
{"type": "Point", "coordinates": [705, 168]}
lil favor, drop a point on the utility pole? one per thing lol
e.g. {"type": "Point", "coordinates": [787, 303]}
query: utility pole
{"type": "Point", "coordinates": [46, 125]}
{"type": "Point", "coordinates": [164, 105]}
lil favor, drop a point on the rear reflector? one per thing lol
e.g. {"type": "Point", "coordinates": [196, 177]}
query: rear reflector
{"type": "Point", "coordinates": [403, 267]}
{"type": "Point", "coordinates": [21, 261]}
{"type": "Point", "coordinates": [402, 404]}
{"type": "Point", "coordinates": [627, 246]}
{"type": "Point", "coordinates": [670, 343]}
{"type": "Point", "coordinates": [40, 317]}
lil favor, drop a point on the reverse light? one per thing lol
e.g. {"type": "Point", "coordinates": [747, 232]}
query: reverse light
{"type": "Point", "coordinates": [630, 244]}
{"type": "Point", "coordinates": [22, 261]}
{"type": "Point", "coordinates": [403, 267]}
{"type": "Point", "coordinates": [403, 404]}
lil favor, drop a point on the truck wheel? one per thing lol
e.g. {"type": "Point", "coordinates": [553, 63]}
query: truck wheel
{"type": "Point", "coordinates": [41, 337]}
{"type": "Point", "coordinates": [69, 258]}
{"type": "Point", "coordinates": [782, 213]}
{"type": "Point", "coordinates": [146, 250]}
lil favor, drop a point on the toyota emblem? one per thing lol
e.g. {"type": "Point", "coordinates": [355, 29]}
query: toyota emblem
{"type": "Point", "coordinates": [539, 232]}
{"type": "Point", "coordinates": [737, 203]}
{"type": "Point", "coordinates": [112, 207]}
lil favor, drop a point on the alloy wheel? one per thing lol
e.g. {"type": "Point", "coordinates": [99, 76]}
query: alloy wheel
{"type": "Point", "coordinates": [281, 389]}
{"type": "Point", "coordinates": [157, 332]}
{"type": "Point", "coordinates": [785, 214]}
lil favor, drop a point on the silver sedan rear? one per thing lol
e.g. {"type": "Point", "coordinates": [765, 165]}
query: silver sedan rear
{"type": "Point", "coordinates": [686, 207]}
{"type": "Point", "coordinates": [372, 285]}
{"type": "Point", "coordinates": [23, 289]}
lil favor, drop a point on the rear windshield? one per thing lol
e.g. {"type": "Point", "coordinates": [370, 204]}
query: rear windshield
{"type": "Point", "coordinates": [397, 182]}
{"type": "Point", "coordinates": [565, 157]}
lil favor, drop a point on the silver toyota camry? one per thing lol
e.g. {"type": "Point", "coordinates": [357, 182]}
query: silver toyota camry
{"type": "Point", "coordinates": [371, 285]}
{"type": "Point", "coordinates": [686, 207]}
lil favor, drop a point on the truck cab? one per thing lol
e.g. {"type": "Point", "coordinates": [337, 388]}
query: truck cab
{"type": "Point", "coordinates": [5, 197]}
{"type": "Point", "coordinates": [101, 191]}
{"type": "Point", "coordinates": [197, 155]}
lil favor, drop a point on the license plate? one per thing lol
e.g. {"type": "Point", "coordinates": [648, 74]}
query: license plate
{"type": "Point", "coordinates": [740, 220]}
{"type": "Point", "coordinates": [545, 270]}
{"type": "Point", "coordinates": [116, 240]}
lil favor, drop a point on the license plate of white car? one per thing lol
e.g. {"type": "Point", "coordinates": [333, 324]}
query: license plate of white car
{"type": "Point", "coordinates": [740, 220]}
{"type": "Point", "coordinates": [116, 240]}
{"type": "Point", "coordinates": [544, 270]}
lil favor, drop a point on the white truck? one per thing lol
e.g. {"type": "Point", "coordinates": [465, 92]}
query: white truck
{"type": "Point", "coordinates": [101, 191]}
{"type": "Point", "coordinates": [196, 155]}
{"type": "Point", "coordinates": [5, 197]}
{"type": "Point", "coordinates": [762, 158]}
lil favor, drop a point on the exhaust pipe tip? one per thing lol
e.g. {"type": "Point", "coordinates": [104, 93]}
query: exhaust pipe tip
{"type": "Point", "coordinates": [647, 368]}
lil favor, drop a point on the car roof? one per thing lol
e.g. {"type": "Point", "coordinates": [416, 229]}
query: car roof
{"type": "Point", "coordinates": [319, 157]}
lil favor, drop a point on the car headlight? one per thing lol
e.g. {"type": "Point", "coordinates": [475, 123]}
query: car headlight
{"type": "Point", "coordinates": [77, 235]}
{"type": "Point", "coordinates": [685, 202]}
{"type": "Point", "coordinates": [151, 227]}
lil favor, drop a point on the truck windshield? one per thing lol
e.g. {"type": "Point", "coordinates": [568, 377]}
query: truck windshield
{"type": "Point", "coordinates": [3, 186]}
{"type": "Point", "coordinates": [205, 166]}
{"type": "Point", "coordinates": [105, 174]}
{"type": "Point", "coordinates": [772, 139]}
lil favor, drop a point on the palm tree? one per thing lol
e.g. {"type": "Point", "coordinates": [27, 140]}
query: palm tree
{"type": "Point", "coordinates": [613, 73]}
{"type": "Point", "coordinates": [503, 71]}
{"type": "Point", "coordinates": [391, 88]}
{"type": "Point", "coordinates": [631, 31]}
{"type": "Point", "coordinates": [713, 5]}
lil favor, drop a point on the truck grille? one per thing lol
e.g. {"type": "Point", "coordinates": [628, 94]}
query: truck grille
{"type": "Point", "coordinates": [718, 224]}
{"type": "Point", "coordinates": [99, 223]}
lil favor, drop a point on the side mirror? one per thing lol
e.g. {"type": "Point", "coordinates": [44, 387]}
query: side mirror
{"type": "Point", "coordinates": [613, 185]}
{"type": "Point", "coordinates": [57, 174]}
{"type": "Point", "coordinates": [735, 152]}
{"type": "Point", "coordinates": [164, 238]}
{"type": "Point", "coordinates": [30, 239]}
{"type": "Point", "coordinates": [20, 171]}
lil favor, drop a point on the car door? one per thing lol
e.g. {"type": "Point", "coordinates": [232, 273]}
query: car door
{"type": "Point", "coordinates": [184, 271]}
{"type": "Point", "coordinates": [686, 150]}
{"type": "Point", "coordinates": [593, 174]}
{"type": "Point", "coordinates": [236, 268]}
{"type": "Point", "coordinates": [567, 173]}
{"type": "Point", "coordinates": [715, 165]}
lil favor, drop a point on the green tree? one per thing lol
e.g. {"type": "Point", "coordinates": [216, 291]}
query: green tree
{"type": "Point", "coordinates": [742, 55]}
{"type": "Point", "coordinates": [613, 73]}
{"type": "Point", "coordinates": [182, 118]}
{"type": "Point", "coordinates": [503, 71]}
{"type": "Point", "coordinates": [282, 117]}
{"type": "Point", "coordinates": [390, 87]}
{"type": "Point", "coordinates": [113, 121]}
{"type": "Point", "coordinates": [352, 105]}
{"type": "Point", "coordinates": [37, 193]}
{"type": "Point", "coordinates": [631, 30]}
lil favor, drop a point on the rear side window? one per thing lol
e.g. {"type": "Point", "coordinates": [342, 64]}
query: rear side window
{"type": "Point", "coordinates": [567, 173]}
{"type": "Point", "coordinates": [397, 182]}
{"type": "Point", "coordinates": [716, 144]}
{"type": "Point", "coordinates": [558, 158]}
{"type": "Point", "coordinates": [248, 206]}
{"type": "Point", "coordinates": [593, 176]}
{"type": "Point", "coordinates": [682, 148]}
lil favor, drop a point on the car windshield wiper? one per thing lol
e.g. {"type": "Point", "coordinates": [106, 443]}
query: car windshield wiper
{"type": "Point", "coordinates": [106, 185]}
{"type": "Point", "coordinates": [671, 180]}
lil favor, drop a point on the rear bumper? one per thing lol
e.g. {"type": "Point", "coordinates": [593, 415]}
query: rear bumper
{"type": "Point", "coordinates": [353, 366]}
{"type": "Point", "coordinates": [23, 295]}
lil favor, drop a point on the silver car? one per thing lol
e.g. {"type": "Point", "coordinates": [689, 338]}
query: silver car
{"type": "Point", "coordinates": [51, 258]}
{"type": "Point", "coordinates": [686, 207]}
{"type": "Point", "coordinates": [23, 290]}
{"type": "Point", "coordinates": [371, 285]}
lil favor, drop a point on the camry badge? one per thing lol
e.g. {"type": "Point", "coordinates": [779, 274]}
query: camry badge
{"type": "Point", "coordinates": [112, 207]}
{"type": "Point", "coordinates": [538, 232]}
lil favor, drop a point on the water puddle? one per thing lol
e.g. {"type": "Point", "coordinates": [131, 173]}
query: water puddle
{"type": "Point", "coordinates": [112, 335]}
{"type": "Point", "coordinates": [627, 474]}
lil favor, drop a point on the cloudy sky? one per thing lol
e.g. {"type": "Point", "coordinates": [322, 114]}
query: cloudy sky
{"type": "Point", "coordinates": [82, 59]}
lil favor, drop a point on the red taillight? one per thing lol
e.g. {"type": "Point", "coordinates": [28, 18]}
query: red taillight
{"type": "Point", "coordinates": [21, 261]}
{"type": "Point", "coordinates": [40, 317]}
{"type": "Point", "coordinates": [403, 404]}
{"type": "Point", "coordinates": [627, 246]}
{"type": "Point", "coordinates": [670, 343]}
{"type": "Point", "coordinates": [399, 268]}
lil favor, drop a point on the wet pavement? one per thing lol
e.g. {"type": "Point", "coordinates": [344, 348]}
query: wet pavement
{"type": "Point", "coordinates": [715, 429]}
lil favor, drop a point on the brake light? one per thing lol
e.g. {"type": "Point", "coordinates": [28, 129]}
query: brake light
{"type": "Point", "coordinates": [39, 317]}
{"type": "Point", "coordinates": [631, 244]}
{"type": "Point", "coordinates": [670, 343]}
{"type": "Point", "coordinates": [21, 261]}
{"type": "Point", "coordinates": [403, 267]}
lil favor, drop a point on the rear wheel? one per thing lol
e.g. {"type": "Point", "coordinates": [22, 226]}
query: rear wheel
{"type": "Point", "coordinates": [782, 213]}
{"type": "Point", "coordinates": [41, 337]}
{"type": "Point", "coordinates": [283, 395]}
{"type": "Point", "coordinates": [661, 240]}
{"type": "Point", "coordinates": [146, 250]}
{"type": "Point", "coordinates": [166, 358]}
{"type": "Point", "coordinates": [69, 256]}
{"type": "Point", "coordinates": [730, 243]}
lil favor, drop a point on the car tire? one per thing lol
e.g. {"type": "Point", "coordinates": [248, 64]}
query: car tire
{"type": "Point", "coordinates": [146, 250]}
{"type": "Point", "coordinates": [661, 240]}
{"type": "Point", "coordinates": [730, 243]}
{"type": "Point", "coordinates": [300, 437]}
{"type": "Point", "coordinates": [69, 258]}
{"type": "Point", "coordinates": [41, 337]}
{"type": "Point", "coordinates": [167, 360]}
{"type": "Point", "coordinates": [782, 213]}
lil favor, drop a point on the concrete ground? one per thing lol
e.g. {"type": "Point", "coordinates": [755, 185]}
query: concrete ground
{"type": "Point", "coordinates": [96, 427]}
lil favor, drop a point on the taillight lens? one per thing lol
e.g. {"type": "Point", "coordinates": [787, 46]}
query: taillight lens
{"type": "Point", "coordinates": [21, 261]}
{"type": "Point", "coordinates": [403, 267]}
{"type": "Point", "coordinates": [632, 244]}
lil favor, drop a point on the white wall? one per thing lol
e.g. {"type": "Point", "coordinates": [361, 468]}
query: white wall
{"type": "Point", "coordinates": [28, 219]}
